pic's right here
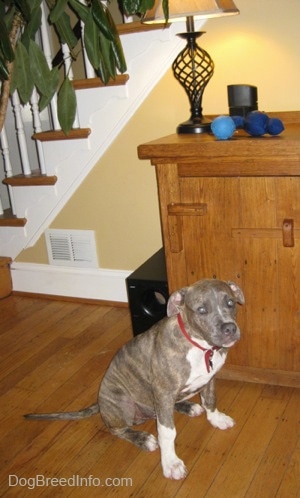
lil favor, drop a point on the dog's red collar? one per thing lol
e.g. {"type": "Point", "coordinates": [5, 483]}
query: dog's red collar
{"type": "Point", "coordinates": [208, 352]}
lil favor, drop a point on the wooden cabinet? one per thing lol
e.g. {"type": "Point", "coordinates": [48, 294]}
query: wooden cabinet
{"type": "Point", "coordinates": [231, 210]}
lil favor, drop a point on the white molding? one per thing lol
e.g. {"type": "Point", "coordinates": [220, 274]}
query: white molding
{"type": "Point", "coordinates": [85, 283]}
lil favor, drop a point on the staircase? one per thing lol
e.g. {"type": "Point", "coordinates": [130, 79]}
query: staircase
{"type": "Point", "coordinates": [102, 113]}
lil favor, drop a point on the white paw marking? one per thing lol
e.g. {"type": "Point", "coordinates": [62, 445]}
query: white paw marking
{"type": "Point", "coordinates": [174, 469]}
{"type": "Point", "coordinates": [220, 420]}
{"type": "Point", "coordinates": [151, 443]}
{"type": "Point", "coordinates": [196, 410]}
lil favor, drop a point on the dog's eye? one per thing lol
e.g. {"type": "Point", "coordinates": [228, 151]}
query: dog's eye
{"type": "Point", "coordinates": [230, 303]}
{"type": "Point", "coordinates": [202, 310]}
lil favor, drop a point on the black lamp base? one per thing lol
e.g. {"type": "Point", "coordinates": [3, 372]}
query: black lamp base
{"type": "Point", "coordinates": [196, 125]}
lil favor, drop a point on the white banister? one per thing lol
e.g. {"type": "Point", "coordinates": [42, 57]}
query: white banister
{"type": "Point", "coordinates": [7, 167]}
{"type": "Point", "coordinates": [21, 134]}
{"type": "Point", "coordinates": [5, 153]}
{"type": "Point", "coordinates": [1, 208]}
{"type": "Point", "coordinates": [37, 126]}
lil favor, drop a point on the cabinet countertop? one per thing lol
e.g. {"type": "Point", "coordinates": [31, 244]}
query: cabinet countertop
{"type": "Point", "coordinates": [278, 155]}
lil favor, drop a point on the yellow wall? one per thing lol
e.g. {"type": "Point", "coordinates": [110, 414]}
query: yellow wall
{"type": "Point", "coordinates": [118, 199]}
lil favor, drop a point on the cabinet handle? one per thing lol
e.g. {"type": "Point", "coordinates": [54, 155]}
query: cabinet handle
{"type": "Point", "coordinates": [187, 209]}
{"type": "Point", "coordinates": [175, 212]}
{"type": "Point", "coordinates": [288, 233]}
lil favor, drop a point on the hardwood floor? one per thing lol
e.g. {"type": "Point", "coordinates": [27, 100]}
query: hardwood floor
{"type": "Point", "coordinates": [53, 355]}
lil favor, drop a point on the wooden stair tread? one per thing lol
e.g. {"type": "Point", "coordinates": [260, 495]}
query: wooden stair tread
{"type": "Point", "coordinates": [35, 179]}
{"type": "Point", "coordinates": [51, 135]}
{"type": "Point", "coordinates": [139, 27]}
{"type": "Point", "coordinates": [7, 219]}
{"type": "Point", "coordinates": [81, 84]}
{"type": "Point", "coordinates": [4, 261]}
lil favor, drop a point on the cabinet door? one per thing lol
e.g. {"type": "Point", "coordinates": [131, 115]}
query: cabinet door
{"type": "Point", "coordinates": [242, 237]}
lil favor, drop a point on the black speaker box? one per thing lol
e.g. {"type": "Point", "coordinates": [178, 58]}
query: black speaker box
{"type": "Point", "coordinates": [242, 99]}
{"type": "Point", "coordinates": [148, 294]}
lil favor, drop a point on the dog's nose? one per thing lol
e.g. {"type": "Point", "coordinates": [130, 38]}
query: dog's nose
{"type": "Point", "coordinates": [228, 328]}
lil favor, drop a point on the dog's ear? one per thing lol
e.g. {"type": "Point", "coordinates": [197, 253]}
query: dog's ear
{"type": "Point", "coordinates": [238, 293]}
{"type": "Point", "coordinates": [175, 302]}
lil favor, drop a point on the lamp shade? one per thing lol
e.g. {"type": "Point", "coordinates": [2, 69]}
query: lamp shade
{"type": "Point", "coordinates": [199, 9]}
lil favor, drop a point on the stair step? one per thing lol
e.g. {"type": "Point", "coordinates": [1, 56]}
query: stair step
{"type": "Point", "coordinates": [35, 179]}
{"type": "Point", "coordinates": [7, 219]}
{"type": "Point", "coordinates": [51, 135]}
{"type": "Point", "coordinates": [138, 27]}
{"type": "Point", "coordinates": [119, 80]}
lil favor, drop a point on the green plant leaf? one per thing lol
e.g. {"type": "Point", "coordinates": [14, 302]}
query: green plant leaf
{"type": "Point", "coordinates": [65, 31]}
{"type": "Point", "coordinates": [101, 19]}
{"type": "Point", "coordinates": [39, 68]}
{"type": "Point", "coordinates": [80, 9]}
{"type": "Point", "coordinates": [166, 9]}
{"type": "Point", "coordinates": [116, 47]}
{"type": "Point", "coordinates": [44, 100]}
{"type": "Point", "coordinates": [5, 45]}
{"type": "Point", "coordinates": [3, 69]}
{"type": "Point", "coordinates": [131, 6]}
{"type": "Point", "coordinates": [102, 71]}
{"type": "Point", "coordinates": [107, 57]}
{"type": "Point", "coordinates": [34, 4]}
{"type": "Point", "coordinates": [58, 10]}
{"type": "Point", "coordinates": [118, 55]}
{"type": "Point", "coordinates": [32, 27]}
{"type": "Point", "coordinates": [8, 17]}
{"type": "Point", "coordinates": [146, 5]}
{"type": "Point", "coordinates": [91, 41]}
{"type": "Point", "coordinates": [66, 105]}
{"type": "Point", "coordinates": [14, 80]}
{"type": "Point", "coordinates": [22, 67]}
{"type": "Point", "coordinates": [24, 7]}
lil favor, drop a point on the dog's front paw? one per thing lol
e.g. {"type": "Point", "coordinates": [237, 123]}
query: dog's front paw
{"type": "Point", "coordinates": [151, 443]}
{"type": "Point", "coordinates": [220, 420]}
{"type": "Point", "coordinates": [175, 469]}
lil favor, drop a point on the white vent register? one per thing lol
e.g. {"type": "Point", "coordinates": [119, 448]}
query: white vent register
{"type": "Point", "coordinates": [71, 248]}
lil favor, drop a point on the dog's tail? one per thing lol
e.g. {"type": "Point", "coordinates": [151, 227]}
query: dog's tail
{"type": "Point", "coordinates": [84, 413]}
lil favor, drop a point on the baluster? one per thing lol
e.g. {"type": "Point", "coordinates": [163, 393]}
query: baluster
{"type": "Point", "coordinates": [1, 207]}
{"type": "Point", "coordinates": [37, 126]}
{"type": "Point", "coordinates": [5, 153]}
{"type": "Point", "coordinates": [48, 54]}
{"type": "Point", "coordinates": [21, 134]}
{"type": "Point", "coordinates": [7, 166]}
{"type": "Point", "coordinates": [69, 72]}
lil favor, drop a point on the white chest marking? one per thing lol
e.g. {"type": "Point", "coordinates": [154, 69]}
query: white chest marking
{"type": "Point", "coordinates": [199, 376]}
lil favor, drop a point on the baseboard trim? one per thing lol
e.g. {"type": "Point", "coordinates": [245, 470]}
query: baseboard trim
{"type": "Point", "coordinates": [260, 375]}
{"type": "Point", "coordinates": [97, 285]}
{"type": "Point", "coordinates": [70, 299]}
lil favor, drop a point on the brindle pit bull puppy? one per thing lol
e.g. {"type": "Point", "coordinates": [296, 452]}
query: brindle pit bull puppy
{"type": "Point", "coordinates": [157, 371]}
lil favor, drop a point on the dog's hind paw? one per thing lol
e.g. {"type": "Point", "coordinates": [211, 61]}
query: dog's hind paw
{"type": "Point", "coordinates": [175, 469]}
{"type": "Point", "coordinates": [220, 420]}
{"type": "Point", "coordinates": [188, 408]}
{"type": "Point", "coordinates": [195, 410]}
{"type": "Point", "coordinates": [151, 443]}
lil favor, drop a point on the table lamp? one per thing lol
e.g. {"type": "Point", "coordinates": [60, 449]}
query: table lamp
{"type": "Point", "coordinates": [193, 66]}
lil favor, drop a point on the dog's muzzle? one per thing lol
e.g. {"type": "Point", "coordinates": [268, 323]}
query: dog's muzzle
{"type": "Point", "coordinates": [229, 329]}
